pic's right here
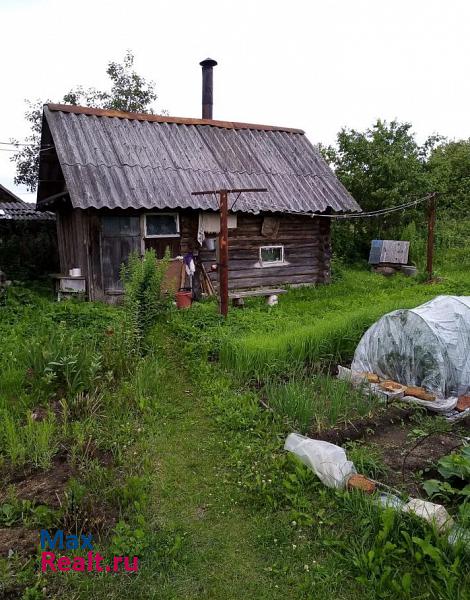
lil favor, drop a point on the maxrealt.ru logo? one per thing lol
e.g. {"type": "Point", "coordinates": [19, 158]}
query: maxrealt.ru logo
{"type": "Point", "coordinates": [92, 561]}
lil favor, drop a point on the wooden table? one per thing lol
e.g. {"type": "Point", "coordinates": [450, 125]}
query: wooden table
{"type": "Point", "coordinates": [66, 286]}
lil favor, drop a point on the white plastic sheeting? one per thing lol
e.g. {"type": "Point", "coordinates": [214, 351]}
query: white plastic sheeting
{"type": "Point", "coordinates": [427, 346]}
{"type": "Point", "coordinates": [327, 461]}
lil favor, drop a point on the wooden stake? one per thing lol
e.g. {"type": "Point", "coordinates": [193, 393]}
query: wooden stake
{"type": "Point", "coordinates": [431, 225]}
{"type": "Point", "coordinates": [223, 253]}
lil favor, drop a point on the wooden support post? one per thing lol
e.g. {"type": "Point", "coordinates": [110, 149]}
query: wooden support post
{"type": "Point", "coordinates": [223, 238]}
{"type": "Point", "coordinates": [431, 225]}
{"type": "Point", "coordinates": [223, 253]}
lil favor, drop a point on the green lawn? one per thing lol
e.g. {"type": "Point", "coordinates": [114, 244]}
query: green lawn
{"type": "Point", "coordinates": [311, 325]}
{"type": "Point", "coordinates": [188, 469]}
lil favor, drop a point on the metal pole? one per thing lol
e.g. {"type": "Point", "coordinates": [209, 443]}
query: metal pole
{"type": "Point", "coordinates": [431, 225]}
{"type": "Point", "coordinates": [223, 253]}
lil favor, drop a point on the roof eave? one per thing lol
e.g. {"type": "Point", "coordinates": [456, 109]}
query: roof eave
{"type": "Point", "coordinates": [100, 112]}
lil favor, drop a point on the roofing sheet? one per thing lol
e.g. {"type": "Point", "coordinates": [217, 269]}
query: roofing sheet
{"type": "Point", "coordinates": [120, 160]}
{"type": "Point", "coordinates": [13, 208]}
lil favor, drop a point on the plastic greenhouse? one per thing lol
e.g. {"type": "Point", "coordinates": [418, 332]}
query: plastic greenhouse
{"type": "Point", "coordinates": [427, 346]}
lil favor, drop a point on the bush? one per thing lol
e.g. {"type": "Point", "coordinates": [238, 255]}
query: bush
{"type": "Point", "coordinates": [28, 249]}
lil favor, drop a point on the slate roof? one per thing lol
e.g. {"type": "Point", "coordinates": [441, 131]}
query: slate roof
{"type": "Point", "coordinates": [128, 160]}
{"type": "Point", "coordinates": [13, 208]}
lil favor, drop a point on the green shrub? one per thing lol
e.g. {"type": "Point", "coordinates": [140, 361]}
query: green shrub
{"type": "Point", "coordinates": [144, 297]}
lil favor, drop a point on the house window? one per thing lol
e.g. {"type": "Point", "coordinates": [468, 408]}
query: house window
{"type": "Point", "coordinates": [271, 255]}
{"type": "Point", "coordinates": [119, 225]}
{"type": "Point", "coordinates": [162, 225]}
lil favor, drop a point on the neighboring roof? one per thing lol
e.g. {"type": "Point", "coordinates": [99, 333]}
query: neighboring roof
{"type": "Point", "coordinates": [127, 160]}
{"type": "Point", "coordinates": [13, 208]}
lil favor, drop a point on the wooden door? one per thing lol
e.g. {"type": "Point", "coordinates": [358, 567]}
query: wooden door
{"type": "Point", "coordinates": [120, 235]}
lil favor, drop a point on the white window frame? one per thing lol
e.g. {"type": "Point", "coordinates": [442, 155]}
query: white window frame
{"type": "Point", "coordinates": [271, 263]}
{"type": "Point", "coordinates": [162, 214]}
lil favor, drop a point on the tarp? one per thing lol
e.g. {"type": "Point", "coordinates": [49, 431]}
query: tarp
{"type": "Point", "coordinates": [427, 346]}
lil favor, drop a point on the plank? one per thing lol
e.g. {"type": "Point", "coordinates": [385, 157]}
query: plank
{"type": "Point", "coordinates": [247, 283]}
{"type": "Point", "coordinates": [250, 293]}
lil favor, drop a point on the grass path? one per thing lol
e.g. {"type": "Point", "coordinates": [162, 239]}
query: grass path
{"type": "Point", "coordinates": [192, 494]}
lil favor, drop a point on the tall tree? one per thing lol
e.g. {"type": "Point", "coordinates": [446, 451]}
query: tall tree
{"type": "Point", "coordinates": [382, 167]}
{"type": "Point", "coordinates": [129, 92]}
{"type": "Point", "coordinates": [449, 172]}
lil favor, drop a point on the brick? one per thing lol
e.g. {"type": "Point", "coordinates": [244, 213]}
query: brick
{"type": "Point", "coordinates": [419, 392]}
{"type": "Point", "coordinates": [362, 483]}
{"type": "Point", "coordinates": [371, 377]}
{"type": "Point", "coordinates": [392, 386]}
{"type": "Point", "coordinates": [463, 403]}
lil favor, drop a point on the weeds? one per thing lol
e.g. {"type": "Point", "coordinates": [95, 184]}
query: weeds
{"type": "Point", "coordinates": [26, 513]}
{"type": "Point", "coordinates": [318, 401]}
{"type": "Point", "coordinates": [144, 297]}
{"type": "Point", "coordinates": [455, 471]}
{"type": "Point", "coordinates": [318, 326]}
{"type": "Point", "coordinates": [367, 459]}
{"type": "Point", "coordinates": [113, 398]}
{"type": "Point", "coordinates": [397, 556]}
{"type": "Point", "coordinates": [34, 442]}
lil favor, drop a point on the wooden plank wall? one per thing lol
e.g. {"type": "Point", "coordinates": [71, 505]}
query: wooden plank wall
{"type": "Point", "coordinates": [306, 241]}
{"type": "Point", "coordinates": [307, 252]}
{"type": "Point", "coordinates": [72, 238]}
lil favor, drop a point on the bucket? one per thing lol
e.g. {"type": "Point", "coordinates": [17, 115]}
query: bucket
{"type": "Point", "coordinates": [210, 243]}
{"type": "Point", "coordinates": [183, 299]}
{"type": "Point", "coordinates": [75, 272]}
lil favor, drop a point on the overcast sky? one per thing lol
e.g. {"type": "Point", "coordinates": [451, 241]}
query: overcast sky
{"type": "Point", "coordinates": [316, 65]}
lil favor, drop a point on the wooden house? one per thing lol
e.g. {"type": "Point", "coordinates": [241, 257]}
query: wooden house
{"type": "Point", "coordinates": [123, 181]}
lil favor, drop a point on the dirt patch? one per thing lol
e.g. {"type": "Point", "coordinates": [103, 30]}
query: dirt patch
{"type": "Point", "coordinates": [409, 459]}
{"type": "Point", "coordinates": [41, 487]}
{"type": "Point", "coordinates": [18, 540]}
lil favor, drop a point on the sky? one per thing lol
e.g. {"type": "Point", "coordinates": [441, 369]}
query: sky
{"type": "Point", "coordinates": [316, 65]}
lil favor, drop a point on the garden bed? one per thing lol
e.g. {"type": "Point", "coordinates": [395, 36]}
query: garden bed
{"type": "Point", "coordinates": [396, 437]}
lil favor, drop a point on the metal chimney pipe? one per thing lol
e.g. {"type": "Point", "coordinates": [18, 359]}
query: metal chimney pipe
{"type": "Point", "coordinates": [207, 87]}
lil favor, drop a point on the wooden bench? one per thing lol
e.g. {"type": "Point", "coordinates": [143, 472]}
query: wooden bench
{"type": "Point", "coordinates": [239, 297]}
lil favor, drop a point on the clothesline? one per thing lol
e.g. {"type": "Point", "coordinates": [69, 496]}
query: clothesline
{"type": "Point", "coordinates": [375, 213]}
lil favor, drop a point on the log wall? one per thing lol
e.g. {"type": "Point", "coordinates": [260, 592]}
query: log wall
{"type": "Point", "coordinates": [307, 252]}
{"type": "Point", "coordinates": [306, 241]}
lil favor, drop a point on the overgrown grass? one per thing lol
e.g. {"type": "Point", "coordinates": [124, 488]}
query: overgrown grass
{"type": "Point", "coordinates": [318, 401]}
{"type": "Point", "coordinates": [323, 325]}
{"type": "Point", "coordinates": [200, 487]}
{"type": "Point", "coordinates": [60, 358]}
